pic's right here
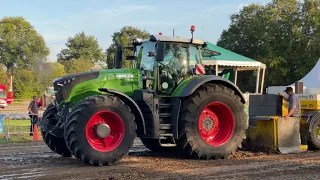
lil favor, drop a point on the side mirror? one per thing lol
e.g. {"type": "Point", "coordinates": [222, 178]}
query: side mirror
{"type": "Point", "coordinates": [160, 52]}
{"type": "Point", "coordinates": [118, 58]}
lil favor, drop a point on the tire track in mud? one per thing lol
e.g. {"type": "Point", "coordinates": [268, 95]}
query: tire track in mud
{"type": "Point", "coordinates": [37, 161]}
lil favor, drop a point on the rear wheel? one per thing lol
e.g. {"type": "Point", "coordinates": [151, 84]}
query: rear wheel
{"type": "Point", "coordinates": [100, 130]}
{"type": "Point", "coordinates": [56, 144]}
{"type": "Point", "coordinates": [212, 123]}
{"type": "Point", "coordinates": [314, 135]}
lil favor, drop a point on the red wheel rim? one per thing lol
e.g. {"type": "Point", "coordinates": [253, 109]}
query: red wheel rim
{"type": "Point", "coordinates": [216, 123]}
{"type": "Point", "coordinates": [116, 131]}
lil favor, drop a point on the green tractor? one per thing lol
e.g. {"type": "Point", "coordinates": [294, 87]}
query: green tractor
{"type": "Point", "coordinates": [165, 99]}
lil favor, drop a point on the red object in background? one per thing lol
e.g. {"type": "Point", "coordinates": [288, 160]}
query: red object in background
{"type": "Point", "coordinates": [40, 103]}
{"type": "Point", "coordinates": [6, 97]}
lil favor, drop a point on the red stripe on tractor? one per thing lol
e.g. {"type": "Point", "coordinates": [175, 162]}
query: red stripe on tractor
{"type": "Point", "coordinates": [199, 69]}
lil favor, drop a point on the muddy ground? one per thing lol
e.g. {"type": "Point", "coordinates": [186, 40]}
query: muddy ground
{"type": "Point", "coordinates": [36, 161]}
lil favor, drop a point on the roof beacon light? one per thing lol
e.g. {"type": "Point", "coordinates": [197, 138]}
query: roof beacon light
{"type": "Point", "coordinates": [160, 33]}
{"type": "Point", "coordinates": [193, 28]}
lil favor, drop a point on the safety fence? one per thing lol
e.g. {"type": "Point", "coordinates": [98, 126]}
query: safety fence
{"type": "Point", "coordinates": [18, 126]}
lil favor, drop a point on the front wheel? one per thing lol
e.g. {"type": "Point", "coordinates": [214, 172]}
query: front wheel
{"type": "Point", "coordinates": [212, 123]}
{"type": "Point", "coordinates": [56, 144]}
{"type": "Point", "coordinates": [100, 130]}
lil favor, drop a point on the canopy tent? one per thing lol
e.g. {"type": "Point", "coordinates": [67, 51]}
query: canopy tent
{"type": "Point", "coordinates": [236, 61]}
{"type": "Point", "coordinates": [311, 82]}
{"type": "Point", "coordinates": [312, 79]}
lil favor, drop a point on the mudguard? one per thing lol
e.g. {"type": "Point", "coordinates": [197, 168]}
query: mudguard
{"type": "Point", "coordinates": [195, 83]}
{"type": "Point", "coordinates": [133, 106]}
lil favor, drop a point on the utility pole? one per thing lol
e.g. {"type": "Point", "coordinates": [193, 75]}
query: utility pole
{"type": "Point", "coordinates": [173, 32]}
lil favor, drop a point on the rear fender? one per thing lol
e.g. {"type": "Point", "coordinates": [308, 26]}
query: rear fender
{"type": "Point", "coordinates": [195, 83]}
{"type": "Point", "coordinates": [133, 106]}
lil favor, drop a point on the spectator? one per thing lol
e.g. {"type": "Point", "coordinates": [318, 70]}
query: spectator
{"type": "Point", "coordinates": [33, 113]}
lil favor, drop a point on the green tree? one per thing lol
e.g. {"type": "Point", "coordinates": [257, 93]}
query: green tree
{"type": "Point", "coordinates": [77, 65]}
{"type": "Point", "coordinates": [123, 37]}
{"type": "Point", "coordinates": [3, 75]}
{"type": "Point", "coordinates": [82, 46]}
{"type": "Point", "coordinates": [20, 44]}
{"type": "Point", "coordinates": [283, 34]}
{"type": "Point", "coordinates": [26, 83]}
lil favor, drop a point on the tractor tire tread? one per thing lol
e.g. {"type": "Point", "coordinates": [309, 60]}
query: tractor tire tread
{"type": "Point", "coordinates": [189, 143]}
{"type": "Point", "coordinates": [56, 144]}
{"type": "Point", "coordinates": [83, 109]}
{"type": "Point", "coordinates": [313, 140]}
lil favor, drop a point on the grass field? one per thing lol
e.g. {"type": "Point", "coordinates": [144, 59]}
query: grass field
{"type": "Point", "coordinates": [19, 131]}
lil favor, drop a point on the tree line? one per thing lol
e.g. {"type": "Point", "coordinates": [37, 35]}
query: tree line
{"type": "Point", "coordinates": [24, 55]}
{"type": "Point", "coordinates": [283, 34]}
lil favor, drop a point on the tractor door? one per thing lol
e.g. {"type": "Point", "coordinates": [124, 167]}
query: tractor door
{"type": "Point", "coordinates": [178, 62]}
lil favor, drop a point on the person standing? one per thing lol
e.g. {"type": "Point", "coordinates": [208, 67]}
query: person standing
{"type": "Point", "coordinates": [33, 113]}
{"type": "Point", "coordinates": [294, 109]}
{"type": "Point", "coordinates": [294, 112]}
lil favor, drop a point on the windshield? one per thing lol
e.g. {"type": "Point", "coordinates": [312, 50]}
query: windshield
{"type": "Point", "coordinates": [2, 95]}
{"type": "Point", "coordinates": [142, 52]}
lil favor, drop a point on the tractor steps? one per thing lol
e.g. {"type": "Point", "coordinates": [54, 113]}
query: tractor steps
{"type": "Point", "coordinates": [165, 126]}
{"type": "Point", "coordinates": [165, 106]}
{"type": "Point", "coordinates": [164, 115]}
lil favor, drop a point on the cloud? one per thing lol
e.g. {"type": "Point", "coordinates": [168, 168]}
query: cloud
{"type": "Point", "coordinates": [113, 12]}
{"type": "Point", "coordinates": [53, 37]}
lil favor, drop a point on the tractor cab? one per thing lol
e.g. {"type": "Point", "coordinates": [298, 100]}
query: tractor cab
{"type": "Point", "coordinates": [166, 61]}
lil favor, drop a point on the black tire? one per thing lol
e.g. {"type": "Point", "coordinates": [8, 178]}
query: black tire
{"type": "Point", "coordinates": [190, 141]}
{"type": "Point", "coordinates": [75, 130]}
{"type": "Point", "coordinates": [56, 144]}
{"type": "Point", "coordinates": [314, 141]}
{"type": "Point", "coordinates": [153, 145]}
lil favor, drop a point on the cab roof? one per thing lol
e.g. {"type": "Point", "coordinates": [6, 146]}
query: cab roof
{"type": "Point", "coordinates": [174, 39]}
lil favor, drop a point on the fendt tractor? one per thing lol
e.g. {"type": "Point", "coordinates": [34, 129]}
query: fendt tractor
{"type": "Point", "coordinates": [165, 99]}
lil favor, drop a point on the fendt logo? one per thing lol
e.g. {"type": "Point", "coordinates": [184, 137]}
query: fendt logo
{"type": "Point", "coordinates": [124, 76]}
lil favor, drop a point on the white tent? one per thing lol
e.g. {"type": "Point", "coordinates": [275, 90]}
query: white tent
{"type": "Point", "coordinates": [311, 82]}
{"type": "Point", "coordinates": [312, 79]}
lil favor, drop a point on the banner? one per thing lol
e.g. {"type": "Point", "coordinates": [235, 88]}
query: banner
{"type": "Point", "coordinates": [1, 125]}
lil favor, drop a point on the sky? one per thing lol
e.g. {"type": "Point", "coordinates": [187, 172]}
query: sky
{"type": "Point", "coordinates": [57, 20]}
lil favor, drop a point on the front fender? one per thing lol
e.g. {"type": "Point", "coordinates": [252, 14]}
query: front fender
{"type": "Point", "coordinates": [193, 84]}
{"type": "Point", "coordinates": [133, 106]}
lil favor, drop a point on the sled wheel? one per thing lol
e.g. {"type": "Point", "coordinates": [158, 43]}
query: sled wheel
{"type": "Point", "coordinates": [314, 135]}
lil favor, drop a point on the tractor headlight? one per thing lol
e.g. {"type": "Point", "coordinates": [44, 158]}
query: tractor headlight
{"type": "Point", "coordinates": [65, 81]}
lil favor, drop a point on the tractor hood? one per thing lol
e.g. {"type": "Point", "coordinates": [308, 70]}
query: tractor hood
{"type": "Point", "coordinates": [80, 77]}
{"type": "Point", "coordinates": [76, 86]}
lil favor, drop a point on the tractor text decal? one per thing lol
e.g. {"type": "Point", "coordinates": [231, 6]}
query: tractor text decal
{"type": "Point", "coordinates": [124, 76]}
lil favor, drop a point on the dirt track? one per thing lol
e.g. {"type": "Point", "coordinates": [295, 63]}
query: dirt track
{"type": "Point", "coordinates": [36, 161]}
